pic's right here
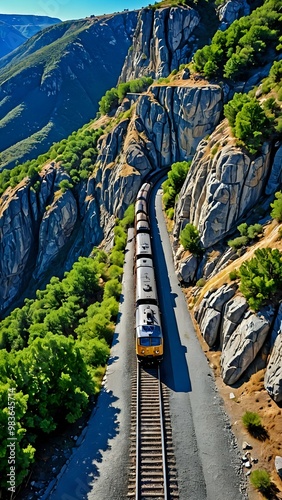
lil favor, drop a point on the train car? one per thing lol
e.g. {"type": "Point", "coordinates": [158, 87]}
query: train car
{"type": "Point", "coordinates": [142, 224]}
{"type": "Point", "coordinates": [143, 192]}
{"type": "Point", "coordinates": [144, 262]}
{"type": "Point", "coordinates": [141, 207]}
{"type": "Point", "coordinates": [149, 338]}
{"type": "Point", "coordinates": [146, 291]}
{"type": "Point", "coordinates": [143, 245]}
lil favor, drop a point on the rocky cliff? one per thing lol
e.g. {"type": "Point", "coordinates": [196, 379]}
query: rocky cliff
{"type": "Point", "coordinates": [162, 41]}
{"type": "Point", "coordinates": [223, 184]}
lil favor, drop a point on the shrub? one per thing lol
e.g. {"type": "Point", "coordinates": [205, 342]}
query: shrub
{"type": "Point", "coordinates": [201, 282]}
{"type": "Point", "coordinates": [276, 212]}
{"type": "Point", "coordinates": [251, 420]}
{"type": "Point", "coordinates": [190, 239]}
{"type": "Point", "coordinates": [234, 275]}
{"type": "Point", "coordinates": [65, 185]}
{"type": "Point", "coordinates": [260, 479]}
{"type": "Point", "coordinates": [238, 242]}
{"type": "Point", "coordinates": [170, 213]}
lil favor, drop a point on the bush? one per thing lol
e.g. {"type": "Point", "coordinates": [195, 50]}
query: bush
{"type": "Point", "coordinates": [201, 282]}
{"type": "Point", "coordinates": [238, 242]}
{"type": "Point", "coordinates": [234, 275]}
{"type": "Point", "coordinates": [260, 479]}
{"type": "Point", "coordinates": [251, 420]}
{"type": "Point", "coordinates": [190, 239]}
{"type": "Point", "coordinates": [276, 212]}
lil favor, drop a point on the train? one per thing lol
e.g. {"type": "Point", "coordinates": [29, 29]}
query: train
{"type": "Point", "coordinates": [148, 330]}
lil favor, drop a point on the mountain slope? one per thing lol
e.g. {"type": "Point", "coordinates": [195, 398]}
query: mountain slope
{"type": "Point", "coordinates": [16, 29]}
{"type": "Point", "coordinates": [51, 85]}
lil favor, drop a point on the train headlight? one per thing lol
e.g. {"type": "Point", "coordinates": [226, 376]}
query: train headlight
{"type": "Point", "coordinates": [157, 351]}
{"type": "Point", "coordinates": [142, 352]}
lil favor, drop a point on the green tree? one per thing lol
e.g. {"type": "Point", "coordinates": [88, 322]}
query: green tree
{"type": "Point", "coordinates": [276, 212]}
{"type": "Point", "coordinates": [190, 239]}
{"type": "Point", "coordinates": [261, 276]}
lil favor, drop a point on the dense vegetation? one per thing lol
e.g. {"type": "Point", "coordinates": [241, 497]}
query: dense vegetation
{"type": "Point", "coordinates": [261, 277]}
{"type": "Point", "coordinates": [54, 349]}
{"type": "Point", "coordinates": [77, 155]}
{"type": "Point", "coordinates": [249, 42]}
{"type": "Point", "coordinates": [172, 186]}
{"type": "Point", "coordinates": [114, 96]}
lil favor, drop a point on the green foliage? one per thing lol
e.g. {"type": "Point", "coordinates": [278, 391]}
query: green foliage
{"type": "Point", "coordinates": [65, 185]}
{"type": "Point", "coordinates": [77, 154]}
{"type": "Point", "coordinates": [238, 242]}
{"type": "Point", "coordinates": [173, 184]}
{"type": "Point", "coordinates": [248, 43]}
{"type": "Point", "coordinates": [261, 276]}
{"type": "Point", "coordinates": [201, 282]}
{"type": "Point", "coordinates": [59, 345]}
{"type": "Point", "coordinates": [261, 480]}
{"type": "Point", "coordinates": [234, 275]}
{"type": "Point", "coordinates": [114, 96]}
{"type": "Point", "coordinates": [247, 233]}
{"type": "Point", "coordinates": [251, 419]}
{"type": "Point", "coordinates": [276, 212]}
{"type": "Point", "coordinates": [247, 120]}
{"type": "Point", "coordinates": [190, 239]}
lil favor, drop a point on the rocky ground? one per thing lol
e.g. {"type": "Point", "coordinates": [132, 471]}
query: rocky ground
{"type": "Point", "coordinates": [250, 395]}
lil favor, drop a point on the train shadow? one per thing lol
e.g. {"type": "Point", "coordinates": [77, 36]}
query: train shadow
{"type": "Point", "coordinates": [174, 369]}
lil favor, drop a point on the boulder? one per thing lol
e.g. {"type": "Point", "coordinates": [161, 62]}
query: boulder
{"type": "Point", "coordinates": [275, 178]}
{"type": "Point", "coordinates": [244, 344]}
{"type": "Point", "coordinates": [233, 313]}
{"type": "Point", "coordinates": [186, 270]}
{"type": "Point", "coordinates": [210, 326]}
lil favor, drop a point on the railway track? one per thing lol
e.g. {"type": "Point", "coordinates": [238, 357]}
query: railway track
{"type": "Point", "coordinates": [153, 472]}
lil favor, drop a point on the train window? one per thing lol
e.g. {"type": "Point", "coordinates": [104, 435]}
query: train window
{"type": "Point", "coordinates": [155, 341]}
{"type": "Point", "coordinates": [145, 341]}
{"type": "Point", "coordinates": [149, 341]}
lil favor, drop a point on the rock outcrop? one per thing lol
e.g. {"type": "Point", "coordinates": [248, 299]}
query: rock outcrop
{"type": "Point", "coordinates": [160, 43]}
{"type": "Point", "coordinates": [226, 322]}
{"type": "Point", "coordinates": [222, 185]}
{"type": "Point", "coordinates": [231, 10]}
{"type": "Point", "coordinates": [38, 225]}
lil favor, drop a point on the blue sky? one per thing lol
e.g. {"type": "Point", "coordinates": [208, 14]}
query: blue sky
{"type": "Point", "coordinates": [68, 9]}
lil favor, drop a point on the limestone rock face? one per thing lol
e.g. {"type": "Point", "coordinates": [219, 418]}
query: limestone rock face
{"type": "Point", "coordinates": [273, 375]}
{"type": "Point", "coordinates": [35, 226]}
{"type": "Point", "coordinates": [275, 178]}
{"type": "Point", "coordinates": [55, 229]}
{"type": "Point", "coordinates": [220, 187]}
{"type": "Point", "coordinates": [160, 42]}
{"type": "Point", "coordinates": [186, 269]}
{"type": "Point", "coordinates": [232, 10]}
{"type": "Point", "coordinates": [244, 344]}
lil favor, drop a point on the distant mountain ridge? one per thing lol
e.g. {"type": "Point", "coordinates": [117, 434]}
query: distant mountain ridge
{"type": "Point", "coordinates": [62, 71]}
{"type": "Point", "coordinates": [15, 29]}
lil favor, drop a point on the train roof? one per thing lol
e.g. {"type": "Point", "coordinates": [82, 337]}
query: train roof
{"type": "Point", "coordinates": [143, 245]}
{"type": "Point", "coordinates": [143, 191]}
{"type": "Point", "coordinates": [144, 262]}
{"type": "Point", "coordinates": [140, 206]}
{"type": "Point", "coordinates": [148, 321]}
{"type": "Point", "coordinates": [142, 226]}
{"type": "Point", "coordinates": [146, 291]}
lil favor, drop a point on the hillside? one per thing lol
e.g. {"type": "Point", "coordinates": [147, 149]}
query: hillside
{"type": "Point", "coordinates": [51, 84]}
{"type": "Point", "coordinates": [16, 29]}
